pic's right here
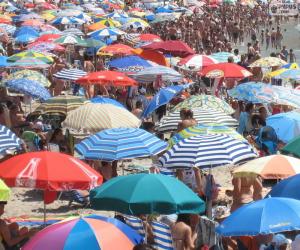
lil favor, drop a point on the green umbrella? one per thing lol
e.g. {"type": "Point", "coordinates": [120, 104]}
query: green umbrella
{"type": "Point", "coordinates": [292, 148]}
{"type": "Point", "coordinates": [93, 43]}
{"type": "Point", "coordinates": [71, 39]}
{"type": "Point", "coordinates": [138, 194]}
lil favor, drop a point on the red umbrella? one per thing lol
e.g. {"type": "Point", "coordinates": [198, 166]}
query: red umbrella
{"type": "Point", "coordinates": [50, 171]}
{"type": "Point", "coordinates": [226, 70]}
{"type": "Point", "coordinates": [48, 38]}
{"type": "Point", "coordinates": [150, 37]}
{"type": "Point", "coordinates": [116, 49]}
{"type": "Point", "coordinates": [175, 48]}
{"type": "Point", "coordinates": [112, 78]}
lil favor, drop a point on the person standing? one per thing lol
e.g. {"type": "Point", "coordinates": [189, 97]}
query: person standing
{"type": "Point", "coordinates": [292, 56]}
{"type": "Point", "coordinates": [245, 120]}
{"type": "Point", "coordinates": [268, 38]}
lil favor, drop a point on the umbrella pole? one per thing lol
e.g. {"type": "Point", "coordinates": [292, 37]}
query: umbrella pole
{"type": "Point", "coordinates": [44, 213]}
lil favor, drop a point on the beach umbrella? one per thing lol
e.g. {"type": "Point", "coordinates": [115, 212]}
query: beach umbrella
{"type": "Point", "coordinates": [10, 29]}
{"type": "Point", "coordinates": [268, 62]}
{"type": "Point", "coordinates": [135, 24]}
{"type": "Point", "coordinates": [99, 233]}
{"type": "Point", "coordinates": [47, 170]}
{"type": "Point", "coordinates": [73, 32]}
{"type": "Point", "coordinates": [70, 39]}
{"type": "Point", "coordinates": [3, 61]}
{"type": "Point", "coordinates": [25, 38]}
{"type": "Point", "coordinates": [94, 43]}
{"type": "Point", "coordinates": [152, 55]}
{"type": "Point", "coordinates": [164, 96]}
{"type": "Point", "coordinates": [292, 148]}
{"type": "Point", "coordinates": [48, 37]}
{"type": "Point", "coordinates": [286, 125]}
{"type": "Point", "coordinates": [270, 167]}
{"type": "Point", "coordinates": [267, 216]}
{"type": "Point", "coordinates": [226, 70]}
{"type": "Point", "coordinates": [67, 20]}
{"type": "Point", "coordinates": [61, 105]}
{"type": "Point", "coordinates": [106, 100]}
{"type": "Point", "coordinates": [146, 194]}
{"type": "Point", "coordinates": [206, 151]}
{"type": "Point", "coordinates": [283, 69]}
{"type": "Point", "coordinates": [116, 49]}
{"type": "Point", "coordinates": [203, 102]}
{"type": "Point", "coordinates": [129, 64]}
{"type": "Point", "coordinates": [94, 117]}
{"type": "Point", "coordinates": [222, 57]}
{"type": "Point", "coordinates": [8, 140]}
{"type": "Point", "coordinates": [197, 61]}
{"type": "Point", "coordinates": [287, 96]}
{"type": "Point", "coordinates": [255, 92]}
{"type": "Point", "coordinates": [30, 54]}
{"type": "Point", "coordinates": [201, 115]}
{"type": "Point", "coordinates": [174, 48]}
{"type": "Point", "coordinates": [83, 16]}
{"type": "Point", "coordinates": [29, 63]}
{"type": "Point", "coordinates": [29, 87]}
{"type": "Point", "coordinates": [26, 31]}
{"type": "Point", "coordinates": [4, 192]}
{"type": "Point", "coordinates": [70, 74]}
{"type": "Point", "coordinates": [109, 23]}
{"type": "Point", "coordinates": [204, 129]}
{"type": "Point", "coordinates": [30, 75]}
{"type": "Point", "coordinates": [96, 27]}
{"type": "Point", "coordinates": [289, 74]}
{"type": "Point", "coordinates": [288, 188]}
{"type": "Point", "coordinates": [32, 23]}
{"type": "Point", "coordinates": [149, 38]}
{"type": "Point", "coordinates": [151, 74]}
{"type": "Point", "coordinates": [110, 78]}
{"type": "Point", "coordinates": [120, 143]}
{"type": "Point", "coordinates": [30, 15]}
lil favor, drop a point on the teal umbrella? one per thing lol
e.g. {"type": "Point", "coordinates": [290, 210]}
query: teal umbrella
{"type": "Point", "coordinates": [138, 194]}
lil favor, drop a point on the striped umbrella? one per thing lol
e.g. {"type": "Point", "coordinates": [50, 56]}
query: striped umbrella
{"type": "Point", "coordinates": [205, 102]}
{"type": "Point", "coordinates": [203, 129]}
{"type": "Point", "coordinates": [205, 151]}
{"type": "Point", "coordinates": [93, 118]}
{"type": "Point", "coordinates": [8, 140]}
{"type": "Point", "coordinates": [203, 116]}
{"type": "Point", "coordinates": [89, 232]}
{"type": "Point", "coordinates": [120, 143]}
{"type": "Point", "coordinates": [70, 74]}
{"type": "Point", "coordinates": [61, 105]}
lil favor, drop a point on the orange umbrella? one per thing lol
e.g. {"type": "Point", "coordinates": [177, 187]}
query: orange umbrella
{"type": "Point", "coordinates": [32, 22]}
{"type": "Point", "coordinates": [116, 49]}
{"type": "Point", "coordinates": [4, 20]}
{"type": "Point", "coordinates": [96, 26]}
{"type": "Point", "coordinates": [153, 56]}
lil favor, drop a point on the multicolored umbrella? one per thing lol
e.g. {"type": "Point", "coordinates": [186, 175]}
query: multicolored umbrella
{"type": "Point", "coordinates": [70, 39]}
{"type": "Point", "coordinates": [120, 143]}
{"type": "Point", "coordinates": [204, 129]}
{"type": "Point", "coordinates": [226, 70]}
{"type": "Point", "coordinates": [8, 140]}
{"type": "Point", "coordinates": [283, 69]}
{"type": "Point", "coordinates": [30, 54]}
{"type": "Point", "coordinates": [106, 32]}
{"type": "Point", "coordinates": [146, 194]}
{"type": "Point", "coordinates": [29, 63]}
{"type": "Point", "coordinates": [61, 105]}
{"type": "Point", "coordinates": [268, 62]}
{"type": "Point", "coordinates": [110, 78]}
{"type": "Point", "coordinates": [270, 167]}
{"type": "Point", "coordinates": [292, 148]}
{"type": "Point", "coordinates": [30, 75]}
{"type": "Point", "coordinates": [193, 152]}
{"type": "Point", "coordinates": [4, 191]}
{"type": "Point", "coordinates": [203, 102]}
{"type": "Point", "coordinates": [203, 116]}
{"type": "Point", "coordinates": [96, 232]}
{"type": "Point", "coordinates": [93, 118]}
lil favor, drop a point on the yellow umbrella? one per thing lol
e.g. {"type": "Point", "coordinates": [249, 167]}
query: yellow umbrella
{"type": "Point", "coordinates": [280, 71]}
{"type": "Point", "coordinates": [4, 191]}
{"type": "Point", "coordinates": [267, 62]}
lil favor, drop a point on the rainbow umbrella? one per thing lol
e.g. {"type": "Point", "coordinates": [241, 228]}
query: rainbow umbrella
{"type": "Point", "coordinates": [89, 232]}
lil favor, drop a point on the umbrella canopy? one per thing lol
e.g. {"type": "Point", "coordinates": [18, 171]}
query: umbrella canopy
{"type": "Point", "coordinates": [204, 129]}
{"type": "Point", "coordinates": [206, 151]}
{"type": "Point", "coordinates": [73, 31]}
{"type": "Point", "coordinates": [286, 125]}
{"type": "Point", "coordinates": [25, 38]}
{"type": "Point", "coordinates": [99, 233]}
{"type": "Point", "coordinates": [61, 105]}
{"type": "Point", "coordinates": [175, 48]}
{"type": "Point", "coordinates": [288, 188]}
{"type": "Point", "coordinates": [26, 30]}
{"type": "Point", "coordinates": [270, 167]}
{"type": "Point", "coordinates": [106, 100]}
{"type": "Point", "coordinates": [106, 32]}
{"type": "Point", "coordinates": [146, 194]}
{"type": "Point", "coordinates": [292, 148]}
{"type": "Point", "coordinates": [197, 61]}
{"type": "Point", "coordinates": [3, 61]}
{"type": "Point", "coordinates": [222, 57]}
{"type": "Point", "coordinates": [205, 102]}
{"type": "Point", "coordinates": [202, 116]}
{"type": "Point", "coordinates": [48, 38]}
{"type": "Point", "coordinates": [290, 74]}
{"type": "Point", "coordinates": [70, 74]}
{"type": "Point", "coordinates": [129, 64]}
{"type": "Point", "coordinates": [30, 75]}
{"type": "Point", "coordinates": [110, 78]}
{"type": "Point", "coordinates": [8, 139]}
{"type": "Point", "coordinates": [30, 54]}
{"type": "Point", "coordinates": [70, 39]}
{"type": "Point", "coordinates": [151, 74]}
{"type": "Point", "coordinates": [4, 191]}
{"type": "Point", "coordinates": [29, 63]}
{"type": "Point", "coordinates": [116, 49]}
{"type": "Point", "coordinates": [267, 216]}
{"type": "Point", "coordinates": [29, 87]}
{"type": "Point", "coordinates": [163, 96]}
{"type": "Point", "coordinates": [268, 62]}
{"type": "Point", "coordinates": [120, 143]}
{"type": "Point", "coordinates": [48, 170]}
{"type": "Point", "coordinates": [93, 118]}
{"type": "Point", "coordinates": [151, 55]}
{"type": "Point", "coordinates": [226, 70]}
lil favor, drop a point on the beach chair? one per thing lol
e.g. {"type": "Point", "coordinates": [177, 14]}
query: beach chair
{"type": "Point", "coordinates": [75, 196]}
{"type": "Point", "coordinates": [136, 224]}
{"type": "Point", "coordinates": [162, 236]}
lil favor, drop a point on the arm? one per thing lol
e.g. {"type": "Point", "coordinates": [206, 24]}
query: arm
{"type": "Point", "coordinates": [257, 188]}
{"type": "Point", "coordinates": [198, 180]}
{"type": "Point", "coordinates": [189, 241]}
{"type": "Point", "coordinates": [6, 235]}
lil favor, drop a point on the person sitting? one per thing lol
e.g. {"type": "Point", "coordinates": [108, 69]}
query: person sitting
{"type": "Point", "coordinates": [138, 109]}
{"type": "Point", "coordinates": [187, 119]}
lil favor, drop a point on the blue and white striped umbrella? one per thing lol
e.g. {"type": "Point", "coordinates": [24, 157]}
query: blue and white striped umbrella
{"type": "Point", "coordinates": [107, 32]}
{"type": "Point", "coordinates": [120, 143]}
{"type": "Point", "coordinates": [149, 75]}
{"type": "Point", "coordinates": [205, 151]}
{"type": "Point", "coordinates": [70, 74]}
{"type": "Point", "coordinates": [67, 20]}
{"type": "Point", "coordinates": [8, 139]}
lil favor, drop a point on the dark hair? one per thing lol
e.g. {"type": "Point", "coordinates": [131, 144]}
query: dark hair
{"type": "Point", "coordinates": [188, 114]}
{"type": "Point", "coordinates": [138, 104]}
{"type": "Point", "coordinates": [249, 106]}
{"type": "Point", "coordinates": [185, 218]}
{"type": "Point", "coordinates": [142, 246]}
{"type": "Point", "coordinates": [1, 109]}
{"type": "Point", "coordinates": [55, 133]}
